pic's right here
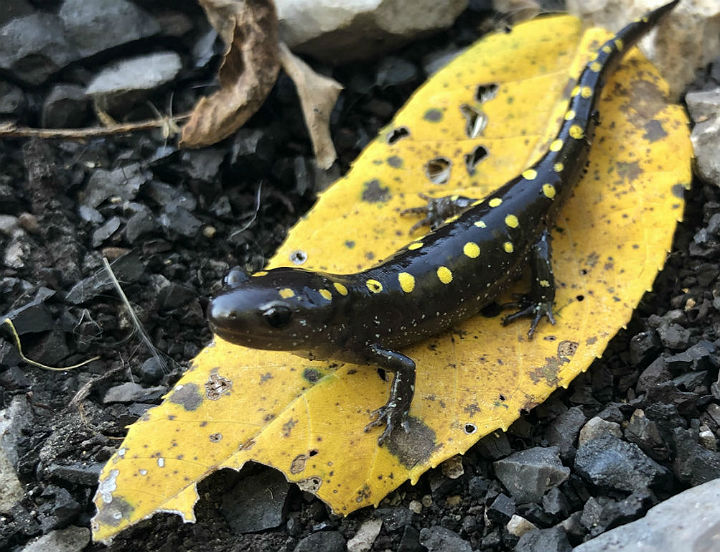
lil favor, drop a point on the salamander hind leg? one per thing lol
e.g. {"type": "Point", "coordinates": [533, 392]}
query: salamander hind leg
{"type": "Point", "coordinates": [438, 209]}
{"type": "Point", "coordinates": [539, 301]}
{"type": "Point", "coordinates": [395, 412]}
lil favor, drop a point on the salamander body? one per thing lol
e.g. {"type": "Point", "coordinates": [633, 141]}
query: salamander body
{"type": "Point", "coordinates": [435, 281]}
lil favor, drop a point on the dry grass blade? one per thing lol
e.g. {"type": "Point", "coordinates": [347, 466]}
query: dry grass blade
{"type": "Point", "coordinates": [318, 95]}
{"type": "Point", "coordinates": [248, 71]}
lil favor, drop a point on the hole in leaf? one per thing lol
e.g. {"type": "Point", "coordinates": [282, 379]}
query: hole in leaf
{"type": "Point", "coordinates": [486, 92]}
{"type": "Point", "coordinates": [397, 133]}
{"type": "Point", "coordinates": [583, 271]}
{"type": "Point", "coordinates": [474, 157]}
{"type": "Point", "coordinates": [580, 297]}
{"type": "Point", "coordinates": [298, 257]}
{"type": "Point", "coordinates": [475, 120]}
{"type": "Point", "coordinates": [470, 428]}
{"type": "Point", "coordinates": [502, 397]}
{"type": "Point", "coordinates": [438, 170]}
{"type": "Point", "coordinates": [313, 452]}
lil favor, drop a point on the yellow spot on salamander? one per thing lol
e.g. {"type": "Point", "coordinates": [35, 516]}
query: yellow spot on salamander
{"type": "Point", "coordinates": [529, 174]}
{"type": "Point", "coordinates": [471, 250]}
{"type": "Point", "coordinates": [444, 274]}
{"type": "Point", "coordinates": [575, 91]}
{"type": "Point", "coordinates": [326, 294]}
{"type": "Point", "coordinates": [607, 49]}
{"type": "Point", "coordinates": [508, 247]}
{"type": "Point", "coordinates": [415, 245]}
{"type": "Point", "coordinates": [558, 167]}
{"type": "Point", "coordinates": [544, 283]}
{"type": "Point", "coordinates": [556, 145]}
{"type": "Point", "coordinates": [494, 202]}
{"type": "Point", "coordinates": [576, 132]}
{"type": "Point", "coordinates": [481, 224]}
{"type": "Point", "coordinates": [595, 66]}
{"type": "Point", "coordinates": [570, 115]}
{"type": "Point", "coordinates": [452, 219]}
{"type": "Point", "coordinates": [619, 44]}
{"type": "Point", "coordinates": [286, 293]}
{"type": "Point", "coordinates": [454, 197]}
{"type": "Point", "coordinates": [512, 221]}
{"type": "Point", "coordinates": [549, 190]}
{"type": "Point", "coordinates": [260, 273]}
{"type": "Point", "coordinates": [407, 282]}
{"type": "Point", "coordinates": [341, 289]}
{"type": "Point", "coordinates": [374, 286]}
{"type": "Point", "coordinates": [586, 91]}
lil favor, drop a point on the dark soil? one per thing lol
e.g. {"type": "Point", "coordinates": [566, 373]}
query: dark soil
{"type": "Point", "coordinates": [170, 269]}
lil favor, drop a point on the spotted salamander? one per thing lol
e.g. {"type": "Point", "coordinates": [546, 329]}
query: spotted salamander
{"type": "Point", "coordinates": [436, 281]}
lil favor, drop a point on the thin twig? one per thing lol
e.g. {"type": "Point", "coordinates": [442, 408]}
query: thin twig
{"type": "Point", "coordinates": [10, 130]}
{"type": "Point", "coordinates": [249, 223]}
{"type": "Point", "coordinates": [143, 336]}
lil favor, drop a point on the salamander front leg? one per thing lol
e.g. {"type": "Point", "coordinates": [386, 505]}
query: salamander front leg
{"type": "Point", "coordinates": [395, 411]}
{"type": "Point", "coordinates": [539, 301]}
{"type": "Point", "coordinates": [438, 209]}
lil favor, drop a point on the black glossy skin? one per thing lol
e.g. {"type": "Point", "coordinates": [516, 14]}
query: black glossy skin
{"type": "Point", "coordinates": [458, 268]}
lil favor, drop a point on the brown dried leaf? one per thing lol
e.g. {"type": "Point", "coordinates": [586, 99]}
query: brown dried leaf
{"type": "Point", "coordinates": [318, 95]}
{"type": "Point", "coordinates": [247, 74]}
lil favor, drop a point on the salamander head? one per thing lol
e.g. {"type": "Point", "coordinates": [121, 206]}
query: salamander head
{"type": "Point", "coordinates": [283, 309]}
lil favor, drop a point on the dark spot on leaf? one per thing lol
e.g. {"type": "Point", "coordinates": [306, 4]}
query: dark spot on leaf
{"type": "Point", "coordinates": [433, 115]}
{"type": "Point", "coordinates": [298, 464]}
{"type": "Point", "coordinates": [313, 452]}
{"type": "Point", "coordinates": [629, 171]}
{"type": "Point", "coordinates": [580, 297]}
{"type": "Point", "coordinates": [412, 447]}
{"type": "Point", "coordinates": [265, 377]}
{"type": "Point", "coordinates": [114, 513]}
{"type": "Point", "coordinates": [188, 396]}
{"type": "Point", "coordinates": [349, 244]}
{"type": "Point", "coordinates": [395, 161]}
{"type": "Point", "coordinates": [470, 428]}
{"type": "Point", "coordinates": [678, 190]}
{"type": "Point", "coordinates": [312, 375]}
{"type": "Point", "coordinates": [298, 257]}
{"type": "Point", "coordinates": [310, 485]}
{"type": "Point", "coordinates": [373, 192]}
{"type": "Point", "coordinates": [396, 134]}
{"type": "Point", "coordinates": [654, 131]}
{"type": "Point", "coordinates": [287, 427]}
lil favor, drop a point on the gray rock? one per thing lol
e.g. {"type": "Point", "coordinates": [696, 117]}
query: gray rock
{"type": "Point", "coordinates": [11, 490]}
{"type": "Point", "coordinates": [142, 222]}
{"type": "Point", "coordinates": [612, 463]}
{"type": "Point", "coordinates": [705, 139]}
{"type": "Point", "coordinates": [564, 430]}
{"type": "Point", "coordinates": [14, 8]}
{"type": "Point", "coordinates": [395, 71]}
{"type": "Point", "coordinates": [13, 421]}
{"type": "Point", "coordinates": [70, 539]}
{"type": "Point", "coordinates": [501, 510]}
{"type": "Point", "coordinates": [438, 59]}
{"type": "Point", "coordinates": [645, 433]}
{"type": "Point", "coordinates": [440, 539]}
{"type": "Point", "coordinates": [365, 536]}
{"type": "Point", "coordinates": [322, 541]}
{"type": "Point", "coordinates": [643, 346]}
{"type": "Point", "coordinates": [79, 473]}
{"type": "Point", "coordinates": [34, 47]}
{"type": "Point", "coordinates": [105, 231]}
{"type": "Point", "coordinates": [336, 32]}
{"type": "Point", "coordinates": [555, 503]}
{"type": "Point", "coordinates": [60, 510]}
{"type": "Point", "coordinates": [657, 372]}
{"type": "Point", "coordinates": [256, 503]}
{"type": "Point", "coordinates": [703, 105]}
{"type": "Point", "coordinates": [12, 99]}
{"type": "Point", "coordinates": [700, 356]}
{"type": "Point", "coordinates": [65, 107]}
{"type": "Point", "coordinates": [687, 521]}
{"type": "Point", "coordinates": [544, 540]}
{"type": "Point", "coordinates": [122, 84]}
{"type": "Point", "coordinates": [133, 392]}
{"type": "Point", "coordinates": [34, 316]}
{"type": "Point", "coordinates": [674, 336]}
{"type": "Point", "coordinates": [123, 182]}
{"type": "Point", "coordinates": [694, 464]}
{"type": "Point", "coordinates": [597, 427]}
{"type": "Point", "coordinates": [180, 220]}
{"type": "Point", "coordinates": [96, 25]}
{"type": "Point", "coordinates": [394, 518]}
{"type": "Point", "coordinates": [530, 473]}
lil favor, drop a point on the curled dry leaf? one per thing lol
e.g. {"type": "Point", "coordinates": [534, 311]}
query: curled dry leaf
{"type": "Point", "coordinates": [318, 95]}
{"type": "Point", "coordinates": [247, 74]}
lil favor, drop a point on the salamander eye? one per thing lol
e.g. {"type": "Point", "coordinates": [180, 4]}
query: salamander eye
{"type": "Point", "coordinates": [235, 277]}
{"type": "Point", "coordinates": [277, 316]}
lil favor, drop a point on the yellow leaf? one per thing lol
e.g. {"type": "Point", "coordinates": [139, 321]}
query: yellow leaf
{"type": "Point", "coordinates": [307, 418]}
